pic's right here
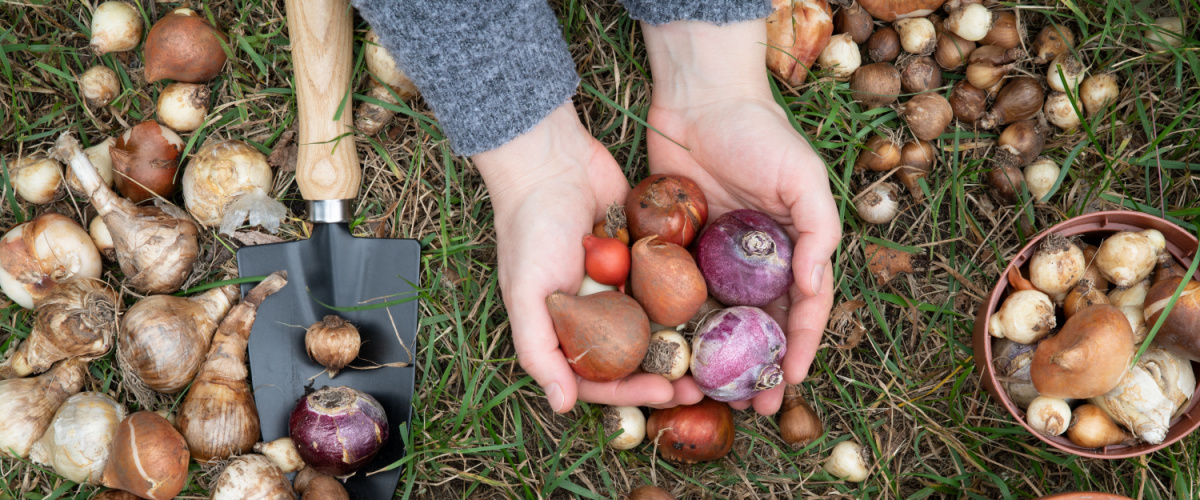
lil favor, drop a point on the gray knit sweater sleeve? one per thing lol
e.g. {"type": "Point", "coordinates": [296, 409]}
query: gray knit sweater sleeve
{"type": "Point", "coordinates": [492, 70]}
{"type": "Point", "coordinates": [658, 12]}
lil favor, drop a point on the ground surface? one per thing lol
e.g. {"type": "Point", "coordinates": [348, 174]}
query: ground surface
{"type": "Point", "coordinates": [896, 374]}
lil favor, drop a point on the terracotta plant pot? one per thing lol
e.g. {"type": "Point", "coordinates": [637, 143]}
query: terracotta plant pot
{"type": "Point", "coordinates": [1094, 226]}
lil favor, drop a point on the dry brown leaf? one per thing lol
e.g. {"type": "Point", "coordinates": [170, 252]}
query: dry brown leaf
{"type": "Point", "coordinates": [251, 238]}
{"type": "Point", "coordinates": [283, 156]}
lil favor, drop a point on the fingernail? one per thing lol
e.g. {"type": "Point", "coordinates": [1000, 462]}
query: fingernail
{"type": "Point", "coordinates": [818, 275]}
{"type": "Point", "coordinates": [661, 402]}
{"type": "Point", "coordinates": [554, 395]}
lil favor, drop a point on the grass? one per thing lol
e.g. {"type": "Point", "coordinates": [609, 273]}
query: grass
{"type": "Point", "coordinates": [897, 374]}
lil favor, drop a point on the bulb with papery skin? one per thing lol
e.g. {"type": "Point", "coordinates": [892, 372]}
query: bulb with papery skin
{"type": "Point", "coordinates": [736, 354]}
{"type": "Point", "coordinates": [746, 258]}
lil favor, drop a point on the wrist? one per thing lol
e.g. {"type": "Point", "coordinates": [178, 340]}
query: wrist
{"type": "Point", "coordinates": [554, 147]}
{"type": "Point", "coordinates": [695, 62]}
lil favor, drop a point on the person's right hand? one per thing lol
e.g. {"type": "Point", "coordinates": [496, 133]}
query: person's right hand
{"type": "Point", "coordinates": [548, 187]}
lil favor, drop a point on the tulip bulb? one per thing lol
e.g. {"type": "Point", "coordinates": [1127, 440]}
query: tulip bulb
{"type": "Point", "coordinates": [116, 27]}
{"type": "Point", "coordinates": [1056, 266]}
{"type": "Point", "coordinates": [881, 153]}
{"type": "Point", "coordinates": [876, 85]}
{"type": "Point", "coordinates": [968, 102]}
{"type": "Point", "coordinates": [99, 85]}
{"type": "Point", "coordinates": [1128, 257]}
{"type": "Point", "coordinates": [1020, 143]}
{"type": "Point", "coordinates": [1098, 92]}
{"type": "Point", "coordinates": [148, 458]}
{"type": "Point", "coordinates": [1092, 428]}
{"type": "Point", "coordinates": [1048, 416]}
{"type": "Point", "coordinates": [77, 319]}
{"type": "Point", "coordinates": [39, 254]}
{"type": "Point", "coordinates": [917, 35]}
{"type": "Point", "coordinates": [29, 404]}
{"type": "Point", "coordinates": [884, 45]}
{"type": "Point", "coordinates": [971, 22]}
{"type": "Point", "coordinates": [878, 204]}
{"type": "Point", "coordinates": [927, 115]}
{"type": "Point", "coordinates": [36, 180]}
{"type": "Point", "coordinates": [156, 245]}
{"type": "Point", "coordinates": [1061, 113]}
{"type": "Point", "coordinates": [630, 421]}
{"type": "Point", "coordinates": [1167, 33]}
{"type": "Point", "coordinates": [182, 46]}
{"type": "Point", "coordinates": [78, 441]}
{"type": "Point", "coordinates": [1040, 177]}
{"type": "Point", "coordinates": [840, 56]}
{"type": "Point", "coordinates": [1025, 317]}
{"type": "Point", "coordinates": [1052, 42]}
{"type": "Point", "coordinates": [797, 33]}
{"type": "Point", "coordinates": [1020, 99]}
{"type": "Point", "coordinates": [798, 423]}
{"type": "Point", "coordinates": [590, 286]}
{"type": "Point", "coordinates": [669, 355]}
{"type": "Point", "coordinates": [920, 75]}
{"type": "Point", "coordinates": [381, 64]}
{"type": "Point", "coordinates": [1087, 357]}
{"type": "Point", "coordinates": [1004, 32]}
{"type": "Point", "coordinates": [848, 461]}
{"type": "Point", "coordinates": [183, 106]}
{"type": "Point", "coordinates": [952, 51]}
{"type": "Point", "coordinates": [1150, 394]}
{"type": "Point", "coordinates": [1065, 73]}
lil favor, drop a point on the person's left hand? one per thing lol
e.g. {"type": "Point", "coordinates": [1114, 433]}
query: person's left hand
{"type": "Point", "coordinates": [711, 96]}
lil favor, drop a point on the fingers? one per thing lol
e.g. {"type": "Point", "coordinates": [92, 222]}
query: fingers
{"type": "Point", "coordinates": [768, 402]}
{"type": "Point", "coordinates": [686, 393]}
{"type": "Point", "coordinates": [806, 324]}
{"type": "Point", "coordinates": [537, 349]}
{"type": "Point", "coordinates": [819, 229]}
{"type": "Point", "coordinates": [643, 389]}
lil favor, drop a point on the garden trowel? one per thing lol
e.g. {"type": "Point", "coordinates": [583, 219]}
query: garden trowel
{"type": "Point", "coordinates": [367, 281]}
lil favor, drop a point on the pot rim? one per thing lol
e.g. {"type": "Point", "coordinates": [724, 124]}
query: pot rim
{"type": "Point", "coordinates": [1180, 243]}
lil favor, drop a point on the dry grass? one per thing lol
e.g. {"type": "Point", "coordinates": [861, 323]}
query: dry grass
{"type": "Point", "coordinates": [896, 374]}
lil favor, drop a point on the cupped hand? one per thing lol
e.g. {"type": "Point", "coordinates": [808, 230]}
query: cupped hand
{"type": "Point", "coordinates": [717, 124]}
{"type": "Point", "coordinates": [548, 187]}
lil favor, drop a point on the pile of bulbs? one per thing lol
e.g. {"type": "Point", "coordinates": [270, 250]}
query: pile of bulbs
{"type": "Point", "coordinates": [226, 182]}
{"type": "Point", "coordinates": [1065, 339]}
{"type": "Point", "coordinates": [908, 58]}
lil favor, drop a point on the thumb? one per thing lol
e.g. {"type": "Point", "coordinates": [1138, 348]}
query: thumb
{"type": "Point", "coordinates": [818, 230]}
{"type": "Point", "coordinates": [538, 353]}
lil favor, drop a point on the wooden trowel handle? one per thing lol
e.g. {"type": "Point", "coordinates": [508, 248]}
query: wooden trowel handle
{"type": "Point", "coordinates": [322, 55]}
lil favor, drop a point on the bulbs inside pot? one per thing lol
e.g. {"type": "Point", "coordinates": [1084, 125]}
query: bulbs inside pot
{"type": "Point", "coordinates": [1056, 266]}
{"type": "Point", "coordinates": [1026, 316]}
{"type": "Point", "coordinates": [1152, 392]}
{"type": "Point", "coordinates": [1087, 358]}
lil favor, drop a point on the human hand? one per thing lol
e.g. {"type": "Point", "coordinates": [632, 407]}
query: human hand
{"type": "Point", "coordinates": [548, 187]}
{"type": "Point", "coordinates": [711, 96]}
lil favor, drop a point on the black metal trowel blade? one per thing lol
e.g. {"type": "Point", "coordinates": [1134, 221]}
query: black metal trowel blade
{"type": "Point", "coordinates": [334, 268]}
